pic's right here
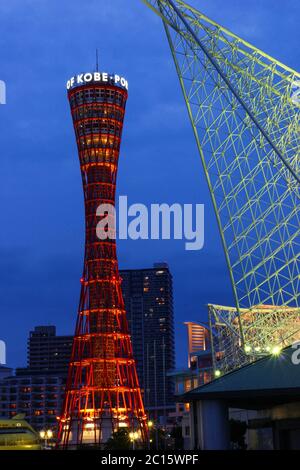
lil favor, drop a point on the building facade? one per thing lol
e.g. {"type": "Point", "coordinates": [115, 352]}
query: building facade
{"type": "Point", "coordinates": [199, 372]}
{"type": "Point", "coordinates": [47, 351]}
{"type": "Point", "coordinates": [148, 297]}
{"type": "Point", "coordinates": [37, 390]}
{"type": "Point", "coordinates": [39, 397]}
{"type": "Point", "coordinates": [262, 398]}
{"type": "Point", "coordinates": [198, 340]}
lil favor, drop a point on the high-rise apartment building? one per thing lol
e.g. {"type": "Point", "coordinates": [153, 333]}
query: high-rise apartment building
{"type": "Point", "coordinates": [148, 297]}
{"type": "Point", "coordinates": [47, 351]}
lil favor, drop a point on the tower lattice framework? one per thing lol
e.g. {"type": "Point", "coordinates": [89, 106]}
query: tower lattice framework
{"type": "Point", "coordinates": [244, 108]}
{"type": "Point", "coordinates": [102, 392]}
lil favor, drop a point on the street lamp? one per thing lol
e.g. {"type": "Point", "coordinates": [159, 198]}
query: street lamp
{"type": "Point", "coordinates": [150, 426]}
{"type": "Point", "coordinates": [133, 437]}
{"type": "Point", "coordinates": [45, 435]}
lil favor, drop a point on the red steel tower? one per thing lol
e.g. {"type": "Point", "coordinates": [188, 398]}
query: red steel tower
{"type": "Point", "coordinates": [102, 390]}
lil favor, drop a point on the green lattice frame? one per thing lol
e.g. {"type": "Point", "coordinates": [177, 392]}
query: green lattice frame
{"type": "Point", "coordinates": [245, 113]}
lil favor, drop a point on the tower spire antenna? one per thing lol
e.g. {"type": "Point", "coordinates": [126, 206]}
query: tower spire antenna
{"type": "Point", "coordinates": [97, 61]}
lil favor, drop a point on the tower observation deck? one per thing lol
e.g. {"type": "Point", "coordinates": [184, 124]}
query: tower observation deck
{"type": "Point", "coordinates": [102, 392]}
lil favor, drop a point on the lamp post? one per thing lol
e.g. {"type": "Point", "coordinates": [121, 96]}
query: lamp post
{"type": "Point", "coordinates": [133, 437]}
{"type": "Point", "coordinates": [150, 426]}
{"type": "Point", "coordinates": [45, 435]}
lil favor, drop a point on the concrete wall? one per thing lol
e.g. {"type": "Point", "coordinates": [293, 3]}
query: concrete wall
{"type": "Point", "coordinates": [210, 425]}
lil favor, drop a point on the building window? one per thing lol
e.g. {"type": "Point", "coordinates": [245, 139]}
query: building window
{"type": "Point", "coordinates": [188, 385]}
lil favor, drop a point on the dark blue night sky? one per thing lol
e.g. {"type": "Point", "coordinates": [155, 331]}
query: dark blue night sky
{"type": "Point", "coordinates": [42, 44]}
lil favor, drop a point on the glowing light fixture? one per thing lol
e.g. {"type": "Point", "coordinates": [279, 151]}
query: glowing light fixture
{"type": "Point", "coordinates": [276, 350]}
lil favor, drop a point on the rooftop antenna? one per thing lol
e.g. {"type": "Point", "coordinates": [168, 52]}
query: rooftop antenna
{"type": "Point", "coordinates": [97, 61]}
